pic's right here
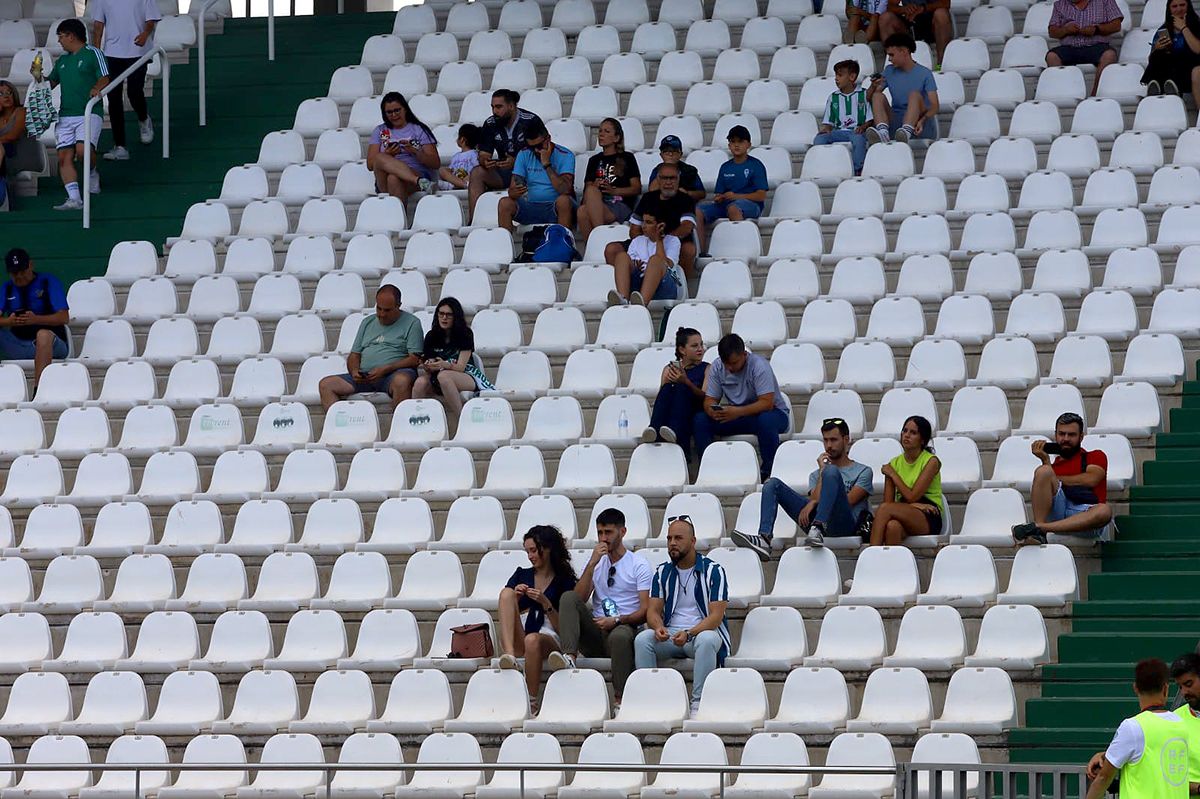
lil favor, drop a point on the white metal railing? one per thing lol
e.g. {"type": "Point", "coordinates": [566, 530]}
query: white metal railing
{"type": "Point", "coordinates": [202, 68]}
{"type": "Point", "coordinates": [911, 780]}
{"type": "Point", "coordinates": [88, 121]}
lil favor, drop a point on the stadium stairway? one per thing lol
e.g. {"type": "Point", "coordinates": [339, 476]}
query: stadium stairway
{"type": "Point", "coordinates": [146, 197]}
{"type": "Point", "coordinates": [1142, 603]}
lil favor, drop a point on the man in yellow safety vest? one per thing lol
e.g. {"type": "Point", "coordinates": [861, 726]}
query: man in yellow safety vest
{"type": "Point", "coordinates": [1185, 671]}
{"type": "Point", "coordinates": [1150, 750]}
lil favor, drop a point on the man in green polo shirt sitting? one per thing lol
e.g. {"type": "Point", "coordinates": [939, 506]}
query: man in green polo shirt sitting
{"type": "Point", "coordinates": [82, 73]}
{"type": "Point", "coordinates": [1151, 749]}
{"type": "Point", "coordinates": [384, 356]}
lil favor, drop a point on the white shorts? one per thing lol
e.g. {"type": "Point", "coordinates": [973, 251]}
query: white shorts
{"type": "Point", "coordinates": [69, 130]}
{"type": "Point", "coordinates": [546, 630]}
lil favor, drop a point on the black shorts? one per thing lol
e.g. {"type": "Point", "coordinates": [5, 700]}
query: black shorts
{"type": "Point", "coordinates": [1074, 55]}
{"type": "Point", "coordinates": [934, 517]}
{"type": "Point", "coordinates": [921, 27]}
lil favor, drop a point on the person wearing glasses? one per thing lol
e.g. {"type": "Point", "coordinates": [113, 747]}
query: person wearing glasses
{"type": "Point", "coordinates": [838, 490]}
{"type": "Point", "coordinates": [686, 617]}
{"type": "Point", "coordinates": [742, 396]}
{"type": "Point", "coordinates": [617, 582]}
{"type": "Point", "coordinates": [447, 368]}
{"type": "Point", "coordinates": [912, 490]}
{"type": "Point", "coordinates": [1070, 493]}
{"type": "Point", "coordinates": [529, 605]}
{"type": "Point", "coordinates": [384, 356]}
{"type": "Point", "coordinates": [403, 150]}
{"type": "Point", "coordinates": [542, 191]}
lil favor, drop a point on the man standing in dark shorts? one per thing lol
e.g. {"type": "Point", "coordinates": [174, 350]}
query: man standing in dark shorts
{"type": "Point", "coordinates": [1083, 28]}
{"type": "Point", "coordinates": [502, 135]}
{"type": "Point", "coordinates": [384, 356]}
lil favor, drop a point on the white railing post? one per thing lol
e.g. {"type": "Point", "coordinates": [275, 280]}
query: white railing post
{"type": "Point", "coordinates": [86, 183]}
{"type": "Point", "coordinates": [270, 30]}
{"type": "Point", "coordinates": [203, 77]}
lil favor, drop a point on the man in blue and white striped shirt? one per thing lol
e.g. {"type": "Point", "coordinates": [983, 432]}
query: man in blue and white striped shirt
{"type": "Point", "coordinates": [686, 617]}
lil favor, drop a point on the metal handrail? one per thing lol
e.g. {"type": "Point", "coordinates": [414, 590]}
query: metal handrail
{"type": "Point", "coordinates": [905, 775]}
{"type": "Point", "coordinates": [87, 122]}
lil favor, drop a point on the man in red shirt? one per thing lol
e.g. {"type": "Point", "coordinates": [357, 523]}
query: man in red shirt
{"type": "Point", "coordinates": [1069, 495]}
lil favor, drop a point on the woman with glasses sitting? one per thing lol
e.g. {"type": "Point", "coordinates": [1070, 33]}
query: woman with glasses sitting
{"type": "Point", "coordinates": [529, 605]}
{"type": "Point", "coordinates": [446, 368]}
{"type": "Point", "coordinates": [912, 492]}
{"type": "Point", "coordinates": [403, 151]}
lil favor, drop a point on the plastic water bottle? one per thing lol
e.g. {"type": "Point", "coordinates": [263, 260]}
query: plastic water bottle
{"type": "Point", "coordinates": [623, 425]}
{"type": "Point", "coordinates": [610, 607]}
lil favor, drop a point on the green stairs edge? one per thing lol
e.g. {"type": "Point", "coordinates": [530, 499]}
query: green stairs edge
{"type": "Point", "coordinates": [1140, 604]}
{"type": "Point", "coordinates": [147, 197]}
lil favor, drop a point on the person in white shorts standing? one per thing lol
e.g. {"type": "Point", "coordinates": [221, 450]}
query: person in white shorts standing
{"type": "Point", "coordinates": [125, 29]}
{"type": "Point", "coordinates": [82, 73]}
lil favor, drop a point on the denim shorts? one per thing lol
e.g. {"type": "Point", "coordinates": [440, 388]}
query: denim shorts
{"type": "Point", "coordinates": [713, 211]}
{"type": "Point", "coordinates": [668, 288]}
{"type": "Point", "coordinates": [1072, 55]}
{"type": "Point", "coordinates": [1062, 508]}
{"type": "Point", "coordinates": [532, 213]}
{"type": "Point", "coordinates": [19, 349]}
{"type": "Point", "coordinates": [382, 385]}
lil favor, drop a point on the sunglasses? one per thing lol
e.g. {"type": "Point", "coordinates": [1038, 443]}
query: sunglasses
{"type": "Point", "coordinates": [612, 575]}
{"type": "Point", "coordinates": [683, 517]}
{"type": "Point", "coordinates": [392, 112]}
{"type": "Point", "coordinates": [833, 420]}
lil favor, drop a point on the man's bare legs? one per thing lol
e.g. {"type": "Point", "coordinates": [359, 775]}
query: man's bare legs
{"type": "Point", "coordinates": [332, 389]}
{"type": "Point", "coordinates": [1045, 487]}
{"type": "Point", "coordinates": [479, 182]}
{"type": "Point", "coordinates": [43, 352]}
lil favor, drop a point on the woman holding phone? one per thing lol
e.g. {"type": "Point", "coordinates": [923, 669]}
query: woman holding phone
{"type": "Point", "coordinates": [447, 368]}
{"type": "Point", "coordinates": [403, 152]}
{"type": "Point", "coordinates": [680, 393]}
{"type": "Point", "coordinates": [1174, 66]}
{"type": "Point", "coordinates": [912, 490]}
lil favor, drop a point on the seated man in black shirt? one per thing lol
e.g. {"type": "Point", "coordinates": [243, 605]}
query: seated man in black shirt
{"type": "Point", "coordinates": [502, 134]}
{"type": "Point", "coordinates": [670, 206]}
{"type": "Point", "coordinates": [33, 316]}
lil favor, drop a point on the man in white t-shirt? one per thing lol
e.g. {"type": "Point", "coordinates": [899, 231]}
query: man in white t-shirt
{"type": "Point", "coordinates": [124, 30]}
{"type": "Point", "coordinates": [618, 583]}
{"type": "Point", "coordinates": [647, 270]}
{"type": "Point", "coordinates": [1150, 750]}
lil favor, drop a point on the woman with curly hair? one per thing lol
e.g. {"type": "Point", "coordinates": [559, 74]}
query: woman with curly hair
{"type": "Point", "coordinates": [529, 605]}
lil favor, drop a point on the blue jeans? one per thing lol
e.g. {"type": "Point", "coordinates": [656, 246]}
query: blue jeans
{"type": "Point", "coordinates": [833, 509]}
{"type": "Point", "coordinates": [19, 349]}
{"type": "Point", "coordinates": [674, 407]}
{"type": "Point", "coordinates": [858, 145]}
{"type": "Point", "coordinates": [703, 649]}
{"type": "Point", "coordinates": [767, 426]}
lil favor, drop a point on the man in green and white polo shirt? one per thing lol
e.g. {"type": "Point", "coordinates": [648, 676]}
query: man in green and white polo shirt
{"type": "Point", "coordinates": [82, 73]}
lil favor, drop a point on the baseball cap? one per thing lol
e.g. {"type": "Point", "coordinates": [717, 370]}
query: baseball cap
{"type": "Point", "coordinates": [671, 143]}
{"type": "Point", "coordinates": [738, 133]}
{"type": "Point", "coordinates": [16, 260]}
{"type": "Point", "coordinates": [535, 129]}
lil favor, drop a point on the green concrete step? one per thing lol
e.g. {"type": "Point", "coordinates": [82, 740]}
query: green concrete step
{"type": "Point", "coordinates": [1129, 646]}
{"type": "Point", "coordinates": [1147, 527]}
{"type": "Point", "coordinates": [1173, 472]}
{"type": "Point", "coordinates": [1136, 608]}
{"type": "Point", "coordinates": [1157, 585]}
{"type": "Point", "coordinates": [1092, 712]}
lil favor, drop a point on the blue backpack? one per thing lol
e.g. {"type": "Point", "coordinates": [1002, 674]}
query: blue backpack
{"type": "Point", "coordinates": [557, 246]}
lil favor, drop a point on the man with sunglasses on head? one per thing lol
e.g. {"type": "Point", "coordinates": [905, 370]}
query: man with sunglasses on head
{"type": "Point", "coordinates": [686, 618]}
{"type": "Point", "coordinates": [838, 490]}
{"type": "Point", "coordinates": [1070, 494]}
{"type": "Point", "coordinates": [618, 583]}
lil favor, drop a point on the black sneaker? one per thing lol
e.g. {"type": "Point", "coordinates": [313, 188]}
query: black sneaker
{"type": "Point", "coordinates": [1028, 534]}
{"type": "Point", "coordinates": [761, 544]}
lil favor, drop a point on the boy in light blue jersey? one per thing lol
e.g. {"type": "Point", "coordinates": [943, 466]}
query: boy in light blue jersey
{"type": "Point", "coordinates": [847, 114]}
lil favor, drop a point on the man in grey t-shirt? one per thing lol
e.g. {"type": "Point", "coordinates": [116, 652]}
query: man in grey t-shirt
{"type": "Point", "coordinates": [742, 396]}
{"type": "Point", "coordinates": [838, 490]}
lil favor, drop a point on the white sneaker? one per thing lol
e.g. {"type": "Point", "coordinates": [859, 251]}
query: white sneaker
{"type": "Point", "coordinates": [509, 662]}
{"type": "Point", "coordinates": [116, 154]}
{"type": "Point", "coordinates": [668, 435]}
{"type": "Point", "coordinates": [69, 205]}
{"type": "Point", "coordinates": [557, 661]}
{"type": "Point", "coordinates": [649, 435]}
{"type": "Point", "coordinates": [94, 187]}
{"type": "Point", "coordinates": [146, 130]}
{"type": "Point", "coordinates": [694, 710]}
{"type": "Point", "coordinates": [616, 299]}
{"type": "Point", "coordinates": [636, 298]}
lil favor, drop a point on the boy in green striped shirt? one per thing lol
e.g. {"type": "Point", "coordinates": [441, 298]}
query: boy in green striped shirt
{"type": "Point", "coordinates": [847, 114]}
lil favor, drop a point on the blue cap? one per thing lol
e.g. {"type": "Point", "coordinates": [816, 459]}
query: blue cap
{"type": "Point", "coordinates": [671, 143]}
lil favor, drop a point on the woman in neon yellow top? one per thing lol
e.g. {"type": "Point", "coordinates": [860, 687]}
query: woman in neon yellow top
{"type": "Point", "coordinates": [912, 492]}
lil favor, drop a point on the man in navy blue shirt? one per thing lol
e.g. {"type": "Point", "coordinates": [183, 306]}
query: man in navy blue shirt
{"type": "Point", "coordinates": [34, 314]}
{"type": "Point", "coordinates": [741, 189]}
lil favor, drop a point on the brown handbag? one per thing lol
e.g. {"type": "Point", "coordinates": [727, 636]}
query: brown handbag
{"type": "Point", "coordinates": [471, 641]}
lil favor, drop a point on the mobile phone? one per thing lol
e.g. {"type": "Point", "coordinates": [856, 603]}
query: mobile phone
{"type": "Point", "coordinates": [518, 180]}
{"type": "Point", "coordinates": [876, 75]}
{"type": "Point", "coordinates": [1052, 448]}
{"type": "Point", "coordinates": [716, 406]}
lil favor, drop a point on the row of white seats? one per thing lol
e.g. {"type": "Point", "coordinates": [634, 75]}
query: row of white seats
{"type": "Point", "coordinates": [433, 580]}
{"type": "Point", "coordinates": [896, 701]}
{"type": "Point", "coordinates": [849, 750]}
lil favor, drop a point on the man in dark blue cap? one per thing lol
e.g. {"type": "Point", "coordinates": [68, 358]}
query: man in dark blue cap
{"type": "Point", "coordinates": [34, 314]}
{"type": "Point", "coordinates": [741, 190]}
